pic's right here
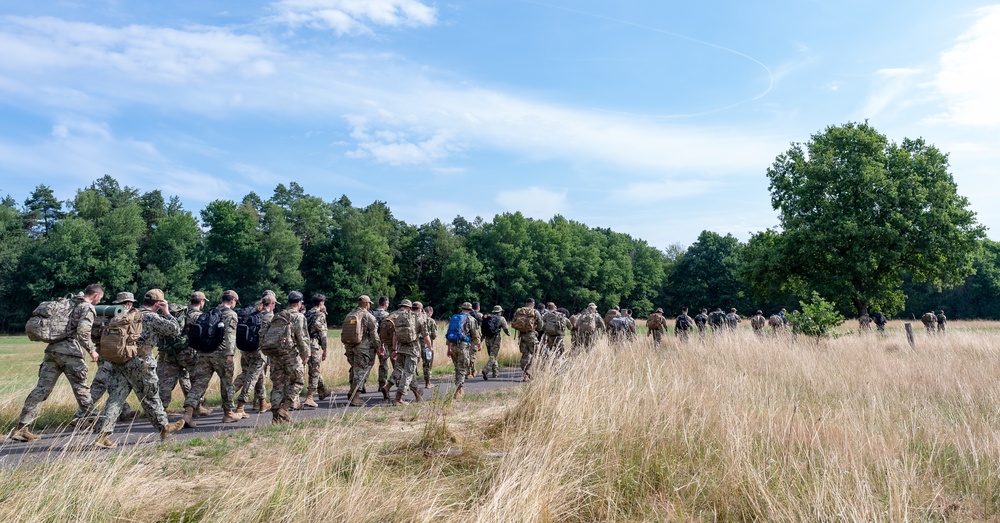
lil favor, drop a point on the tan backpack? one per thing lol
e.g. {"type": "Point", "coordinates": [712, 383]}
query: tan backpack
{"type": "Point", "coordinates": [353, 328]}
{"type": "Point", "coordinates": [118, 342]}
{"type": "Point", "coordinates": [405, 330]}
{"type": "Point", "coordinates": [277, 335]}
{"type": "Point", "coordinates": [387, 329]}
{"type": "Point", "coordinates": [524, 320]}
{"type": "Point", "coordinates": [655, 322]}
{"type": "Point", "coordinates": [50, 321]}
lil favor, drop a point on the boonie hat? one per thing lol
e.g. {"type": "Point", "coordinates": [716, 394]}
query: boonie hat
{"type": "Point", "coordinates": [405, 303]}
{"type": "Point", "coordinates": [123, 297]}
{"type": "Point", "coordinates": [466, 306]}
{"type": "Point", "coordinates": [497, 309]}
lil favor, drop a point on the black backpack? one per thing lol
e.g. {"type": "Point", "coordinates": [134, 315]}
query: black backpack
{"type": "Point", "coordinates": [683, 323]}
{"type": "Point", "coordinates": [248, 328]}
{"type": "Point", "coordinates": [205, 334]}
{"type": "Point", "coordinates": [491, 325]}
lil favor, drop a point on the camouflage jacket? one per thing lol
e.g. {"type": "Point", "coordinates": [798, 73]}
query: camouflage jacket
{"type": "Point", "coordinates": [229, 321]}
{"type": "Point", "coordinates": [300, 332]}
{"type": "Point", "coordinates": [318, 329]}
{"type": "Point", "coordinates": [79, 344]}
{"type": "Point", "coordinates": [154, 327]}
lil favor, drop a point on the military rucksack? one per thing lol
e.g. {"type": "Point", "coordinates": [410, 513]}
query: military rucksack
{"type": "Point", "coordinates": [249, 322]}
{"type": "Point", "coordinates": [50, 321]}
{"type": "Point", "coordinates": [928, 318]}
{"type": "Point", "coordinates": [352, 330]}
{"type": "Point", "coordinates": [175, 344]}
{"type": "Point", "coordinates": [205, 334]}
{"type": "Point", "coordinates": [405, 328]}
{"type": "Point", "coordinates": [618, 324]}
{"type": "Point", "coordinates": [120, 337]}
{"type": "Point", "coordinates": [586, 323]}
{"type": "Point", "coordinates": [277, 335]}
{"type": "Point", "coordinates": [524, 320]}
{"type": "Point", "coordinates": [655, 322]}
{"type": "Point", "coordinates": [552, 324]}
{"type": "Point", "coordinates": [387, 329]}
{"type": "Point", "coordinates": [683, 322]}
{"type": "Point", "coordinates": [492, 325]}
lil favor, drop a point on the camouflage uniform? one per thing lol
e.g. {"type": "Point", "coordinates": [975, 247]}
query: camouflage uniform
{"type": "Point", "coordinates": [316, 324]}
{"type": "Point", "coordinates": [461, 350]}
{"type": "Point", "coordinates": [941, 321]}
{"type": "Point", "coordinates": [733, 320]}
{"type": "Point", "coordinates": [478, 316]}
{"type": "Point", "coordinates": [364, 352]}
{"type": "Point", "coordinates": [287, 371]}
{"type": "Point", "coordinates": [587, 338]}
{"type": "Point", "coordinates": [701, 321]}
{"type": "Point", "coordinates": [527, 343]}
{"type": "Point", "coordinates": [217, 362]}
{"type": "Point", "coordinates": [175, 366]}
{"type": "Point", "coordinates": [65, 357]}
{"type": "Point", "coordinates": [553, 344]}
{"type": "Point", "coordinates": [493, 347]}
{"type": "Point", "coordinates": [757, 322]}
{"type": "Point", "coordinates": [251, 376]}
{"type": "Point", "coordinates": [407, 353]}
{"type": "Point", "coordinates": [660, 325]}
{"type": "Point", "coordinates": [428, 362]}
{"type": "Point", "coordinates": [139, 374]}
{"type": "Point", "coordinates": [384, 370]}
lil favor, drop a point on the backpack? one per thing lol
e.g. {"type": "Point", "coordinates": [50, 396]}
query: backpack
{"type": "Point", "coordinates": [387, 330]}
{"type": "Point", "coordinates": [553, 325]}
{"type": "Point", "coordinates": [352, 330]}
{"type": "Point", "coordinates": [524, 320]}
{"type": "Point", "coordinates": [175, 344]}
{"type": "Point", "coordinates": [278, 334]}
{"type": "Point", "coordinates": [50, 321]}
{"type": "Point", "coordinates": [118, 342]}
{"type": "Point", "coordinates": [455, 328]}
{"type": "Point", "coordinates": [618, 324]}
{"type": "Point", "coordinates": [928, 318]}
{"type": "Point", "coordinates": [683, 323]}
{"type": "Point", "coordinates": [586, 323]}
{"type": "Point", "coordinates": [405, 328]}
{"type": "Point", "coordinates": [491, 325]}
{"type": "Point", "coordinates": [654, 322]}
{"type": "Point", "coordinates": [205, 334]}
{"type": "Point", "coordinates": [248, 328]}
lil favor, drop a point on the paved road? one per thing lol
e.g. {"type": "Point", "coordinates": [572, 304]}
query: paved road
{"type": "Point", "coordinates": [63, 440]}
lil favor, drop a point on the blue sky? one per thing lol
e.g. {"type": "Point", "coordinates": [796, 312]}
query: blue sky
{"type": "Point", "coordinates": [658, 119]}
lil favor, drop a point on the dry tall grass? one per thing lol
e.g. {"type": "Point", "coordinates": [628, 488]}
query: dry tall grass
{"type": "Point", "coordinates": [735, 429]}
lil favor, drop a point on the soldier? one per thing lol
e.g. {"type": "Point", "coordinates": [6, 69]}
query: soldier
{"type": "Point", "coordinates": [864, 323]}
{"type": "Point", "coordinates": [407, 332]}
{"type": "Point", "coordinates": [554, 325]}
{"type": "Point", "coordinates": [138, 373]}
{"type": "Point", "coordinates": [384, 371]}
{"type": "Point", "coordinates": [879, 320]}
{"type": "Point", "coordinates": [493, 324]}
{"type": "Point", "coordinates": [718, 319]}
{"type": "Point", "coordinates": [612, 313]}
{"type": "Point", "coordinates": [466, 340]}
{"type": "Point", "coordinates": [219, 361]}
{"type": "Point", "coordinates": [426, 314]}
{"type": "Point", "coordinates": [776, 323]}
{"type": "Point", "coordinates": [732, 319]}
{"type": "Point", "coordinates": [929, 319]}
{"type": "Point", "coordinates": [941, 321]}
{"type": "Point", "coordinates": [472, 354]}
{"type": "Point", "coordinates": [588, 325]}
{"type": "Point", "coordinates": [64, 357]}
{"type": "Point", "coordinates": [574, 335]}
{"type": "Point", "coordinates": [316, 323]}
{"type": "Point", "coordinates": [360, 330]}
{"type": "Point", "coordinates": [526, 320]}
{"type": "Point", "coordinates": [285, 342]}
{"type": "Point", "coordinates": [701, 321]}
{"type": "Point", "coordinates": [393, 379]}
{"type": "Point", "coordinates": [683, 325]}
{"type": "Point", "coordinates": [252, 363]}
{"type": "Point", "coordinates": [656, 324]}
{"type": "Point", "coordinates": [175, 359]}
{"type": "Point", "coordinates": [757, 322]}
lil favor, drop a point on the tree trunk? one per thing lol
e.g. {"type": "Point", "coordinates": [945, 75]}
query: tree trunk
{"type": "Point", "coordinates": [861, 306]}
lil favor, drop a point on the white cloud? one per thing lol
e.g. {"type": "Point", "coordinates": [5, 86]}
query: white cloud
{"type": "Point", "coordinates": [348, 17]}
{"type": "Point", "coordinates": [969, 75]}
{"type": "Point", "coordinates": [890, 86]}
{"type": "Point", "coordinates": [534, 202]}
{"type": "Point", "coordinates": [644, 193]}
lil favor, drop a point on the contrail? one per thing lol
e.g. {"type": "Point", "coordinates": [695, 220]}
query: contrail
{"type": "Point", "coordinates": [770, 74]}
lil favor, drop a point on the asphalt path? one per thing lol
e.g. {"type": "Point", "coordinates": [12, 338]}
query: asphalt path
{"type": "Point", "coordinates": [69, 440]}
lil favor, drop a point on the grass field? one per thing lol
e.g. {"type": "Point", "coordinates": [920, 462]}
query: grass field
{"type": "Point", "coordinates": [739, 428]}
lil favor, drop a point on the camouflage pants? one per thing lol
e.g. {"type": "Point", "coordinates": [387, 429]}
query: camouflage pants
{"type": "Point", "coordinates": [701, 332]}
{"type": "Point", "coordinates": [460, 356]}
{"type": "Point", "coordinates": [427, 362]}
{"type": "Point", "coordinates": [349, 354]}
{"type": "Point", "coordinates": [364, 360]}
{"type": "Point", "coordinates": [657, 336]}
{"type": "Point", "coordinates": [527, 343]}
{"type": "Point", "coordinates": [138, 374]}
{"type": "Point", "coordinates": [210, 363]}
{"type": "Point", "coordinates": [287, 378]}
{"type": "Point", "coordinates": [53, 365]}
{"type": "Point", "coordinates": [682, 334]}
{"type": "Point", "coordinates": [315, 378]}
{"type": "Point", "coordinates": [492, 350]}
{"type": "Point", "coordinates": [252, 364]}
{"type": "Point", "coordinates": [98, 386]}
{"type": "Point", "coordinates": [405, 366]}
{"type": "Point", "coordinates": [172, 369]}
{"type": "Point", "coordinates": [553, 345]}
{"type": "Point", "coordinates": [385, 372]}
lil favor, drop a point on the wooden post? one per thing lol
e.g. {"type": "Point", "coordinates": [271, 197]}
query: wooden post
{"type": "Point", "coordinates": [909, 334]}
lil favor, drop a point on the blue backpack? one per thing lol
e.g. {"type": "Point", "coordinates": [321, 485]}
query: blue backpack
{"type": "Point", "coordinates": [455, 328]}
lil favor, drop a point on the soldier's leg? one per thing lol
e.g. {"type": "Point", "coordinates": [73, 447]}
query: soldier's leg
{"type": "Point", "coordinates": [75, 370]}
{"type": "Point", "coordinates": [407, 366]}
{"type": "Point", "coordinates": [167, 375]}
{"type": "Point", "coordinates": [460, 358]}
{"type": "Point", "coordinates": [252, 364]}
{"type": "Point", "coordinates": [279, 378]}
{"type": "Point", "coordinates": [315, 359]}
{"type": "Point", "coordinates": [297, 381]}
{"type": "Point", "coordinates": [493, 349]}
{"type": "Point", "coordinates": [200, 376]}
{"type": "Point", "coordinates": [99, 385]}
{"type": "Point", "coordinates": [48, 373]}
{"type": "Point", "coordinates": [225, 371]}
{"type": "Point", "coordinates": [141, 375]}
{"type": "Point", "coordinates": [384, 372]}
{"type": "Point", "coordinates": [364, 360]}
{"type": "Point", "coordinates": [118, 389]}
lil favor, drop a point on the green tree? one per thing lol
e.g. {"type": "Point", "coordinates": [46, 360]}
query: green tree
{"type": "Point", "coordinates": [857, 212]}
{"type": "Point", "coordinates": [706, 275]}
{"type": "Point", "coordinates": [817, 318]}
{"type": "Point", "coordinates": [232, 251]}
{"type": "Point", "coordinates": [41, 211]}
{"type": "Point", "coordinates": [13, 243]}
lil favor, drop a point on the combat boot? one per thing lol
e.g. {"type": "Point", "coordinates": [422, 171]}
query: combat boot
{"type": "Point", "coordinates": [230, 416]}
{"type": "Point", "coordinates": [104, 442]}
{"type": "Point", "coordinates": [23, 434]}
{"type": "Point", "coordinates": [459, 393]}
{"type": "Point", "coordinates": [398, 400]}
{"type": "Point", "coordinates": [385, 390]}
{"type": "Point", "coordinates": [240, 411]}
{"type": "Point", "coordinates": [427, 382]}
{"type": "Point", "coordinates": [188, 418]}
{"type": "Point", "coordinates": [355, 399]}
{"type": "Point", "coordinates": [280, 416]}
{"type": "Point", "coordinates": [323, 393]}
{"type": "Point", "coordinates": [202, 410]}
{"type": "Point", "coordinates": [264, 404]}
{"type": "Point", "coordinates": [165, 432]}
{"type": "Point", "coordinates": [485, 377]}
{"type": "Point", "coordinates": [417, 393]}
{"type": "Point", "coordinates": [308, 402]}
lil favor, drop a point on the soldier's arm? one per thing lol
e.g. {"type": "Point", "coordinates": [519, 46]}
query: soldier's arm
{"type": "Point", "coordinates": [504, 326]}
{"type": "Point", "coordinates": [474, 333]}
{"type": "Point", "coordinates": [432, 328]}
{"type": "Point", "coordinates": [422, 333]}
{"type": "Point", "coordinates": [319, 329]}
{"type": "Point", "coordinates": [165, 325]}
{"type": "Point", "coordinates": [229, 322]}
{"type": "Point", "coordinates": [82, 334]}
{"type": "Point", "coordinates": [371, 331]}
{"type": "Point", "coordinates": [301, 335]}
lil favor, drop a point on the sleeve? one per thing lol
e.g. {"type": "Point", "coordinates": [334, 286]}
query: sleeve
{"type": "Point", "coordinates": [301, 334]}
{"type": "Point", "coordinates": [319, 329]}
{"type": "Point", "coordinates": [83, 328]}
{"type": "Point", "coordinates": [166, 325]}
{"type": "Point", "coordinates": [504, 326]}
{"type": "Point", "coordinates": [475, 336]}
{"type": "Point", "coordinates": [432, 328]}
{"type": "Point", "coordinates": [229, 333]}
{"type": "Point", "coordinates": [371, 331]}
{"type": "Point", "coordinates": [421, 328]}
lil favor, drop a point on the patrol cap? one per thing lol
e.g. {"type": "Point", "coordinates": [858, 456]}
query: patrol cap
{"type": "Point", "coordinates": [550, 305]}
{"type": "Point", "coordinates": [364, 299]}
{"type": "Point", "coordinates": [405, 303]}
{"type": "Point", "coordinates": [230, 296]}
{"type": "Point", "coordinates": [267, 293]}
{"type": "Point", "coordinates": [197, 296]}
{"type": "Point", "coordinates": [295, 297]}
{"type": "Point", "coordinates": [153, 295]}
{"type": "Point", "coordinates": [123, 297]}
{"type": "Point", "coordinates": [497, 309]}
{"type": "Point", "coordinates": [466, 306]}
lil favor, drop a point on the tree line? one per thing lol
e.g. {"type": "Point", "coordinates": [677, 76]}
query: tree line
{"type": "Point", "coordinates": [881, 246]}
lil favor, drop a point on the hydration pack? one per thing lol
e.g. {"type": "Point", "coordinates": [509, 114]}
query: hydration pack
{"type": "Point", "coordinates": [455, 328]}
